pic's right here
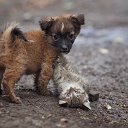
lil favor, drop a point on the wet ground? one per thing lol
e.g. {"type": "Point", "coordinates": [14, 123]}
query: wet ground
{"type": "Point", "coordinates": [99, 54]}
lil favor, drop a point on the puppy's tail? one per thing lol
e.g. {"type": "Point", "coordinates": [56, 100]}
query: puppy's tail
{"type": "Point", "coordinates": [11, 32]}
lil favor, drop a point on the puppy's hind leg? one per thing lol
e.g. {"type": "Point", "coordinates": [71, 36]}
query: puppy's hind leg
{"type": "Point", "coordinates": [10, 77]}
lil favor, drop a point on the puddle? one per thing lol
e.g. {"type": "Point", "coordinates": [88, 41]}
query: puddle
{"type": "Point", "coordinates": [92, 35]}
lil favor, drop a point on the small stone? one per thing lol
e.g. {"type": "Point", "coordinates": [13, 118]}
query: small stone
{"type": "Point", "coordinates": [118, 40]}
{"type": "Point", "coordinates": [1, 104]}
{"type": "Point", "coordinates": [103, 51]}
{"type": "Point", "coordinates": [60, 126]}
{"type": "Point", "coordinates": [93, 95]}
{"type": "Point", "coordinates": [43, 117]}
{"type": "Point", "coordinates": [108, 106]}
{"type": "Point", "coordinates": [63, 120]}
{"type": "Point", "coordinates": [49, 115]}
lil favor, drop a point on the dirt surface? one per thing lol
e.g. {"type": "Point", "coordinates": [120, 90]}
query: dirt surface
{"type": "Point", "coordinates": [108, 74]}
{"type": "Point", "coordinates": [103, 62]}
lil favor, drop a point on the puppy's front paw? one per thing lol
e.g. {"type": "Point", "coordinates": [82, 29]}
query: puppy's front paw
{"type": "Point", "coordinates": [16, 100]}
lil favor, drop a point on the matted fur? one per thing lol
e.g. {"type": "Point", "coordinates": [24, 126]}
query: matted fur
{"type": "Point", "coordinates": [71, 86]}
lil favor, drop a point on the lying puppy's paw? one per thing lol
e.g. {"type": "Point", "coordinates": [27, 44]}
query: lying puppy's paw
{"type": "Point", "coordinates": [93, 95]}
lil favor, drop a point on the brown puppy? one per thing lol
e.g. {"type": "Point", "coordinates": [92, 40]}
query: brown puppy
{"type": "Point", "coordinates": [38, 55]}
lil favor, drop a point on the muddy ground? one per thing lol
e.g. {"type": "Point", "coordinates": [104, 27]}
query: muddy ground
{"type": "Point", "coordinates": [104, 61]}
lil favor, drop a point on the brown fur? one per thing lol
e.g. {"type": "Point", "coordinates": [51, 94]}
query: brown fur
{"type": "Point", "coordinates": [26, 58]}
{"type": "Point", "coordinates": [37, 56]}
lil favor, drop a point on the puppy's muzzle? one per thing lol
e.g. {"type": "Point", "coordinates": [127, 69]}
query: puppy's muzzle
{"type": "Point", "coordinates": [65, 49]}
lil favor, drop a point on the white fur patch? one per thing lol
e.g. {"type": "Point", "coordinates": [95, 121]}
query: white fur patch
{"type": "Point", "coordinates": [62, 27]}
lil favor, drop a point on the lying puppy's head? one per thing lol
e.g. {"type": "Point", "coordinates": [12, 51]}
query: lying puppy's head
{"type": "Point", "coordinates": [63, 30]}
{"type": "Point", "coordinates": [75, 97]}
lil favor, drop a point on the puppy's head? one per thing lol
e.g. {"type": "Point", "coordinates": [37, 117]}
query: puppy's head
{"type": "Point", "coordinates": [63, 30]}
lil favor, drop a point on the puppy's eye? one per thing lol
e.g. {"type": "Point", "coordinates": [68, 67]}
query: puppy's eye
{"type": "Point", "coordinates": [55, 37]}
{"type": "Point", "coordinates": [71, 36]}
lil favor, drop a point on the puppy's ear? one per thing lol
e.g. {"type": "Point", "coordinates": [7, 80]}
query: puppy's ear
{"type": "Point", "coordinates": [46, 23]}
{"type": "Point", "coordinates": [78, 19]}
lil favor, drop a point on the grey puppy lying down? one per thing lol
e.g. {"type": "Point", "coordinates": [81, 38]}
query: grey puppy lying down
{"type": "Point", "coordinates": [70, 85]}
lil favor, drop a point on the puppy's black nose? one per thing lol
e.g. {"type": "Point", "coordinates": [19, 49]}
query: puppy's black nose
{"type": "Point", "coordinates": [64, 49]}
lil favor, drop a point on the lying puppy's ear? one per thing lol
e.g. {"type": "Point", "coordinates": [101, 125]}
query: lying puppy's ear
{"type": "Point", "coordinates": [46, 23]}
{"type": "Point", "coordinates": [86, 105]}
{"type": "Point", "coordinates": [63, 103]}
{"type": "Point", "coordinates": [78, 19]}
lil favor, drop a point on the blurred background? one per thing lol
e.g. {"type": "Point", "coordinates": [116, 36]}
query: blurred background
{"type": "Point", "coordinates": [97, 12]}
{"type": "Point", "coordinates": [104, 20]}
